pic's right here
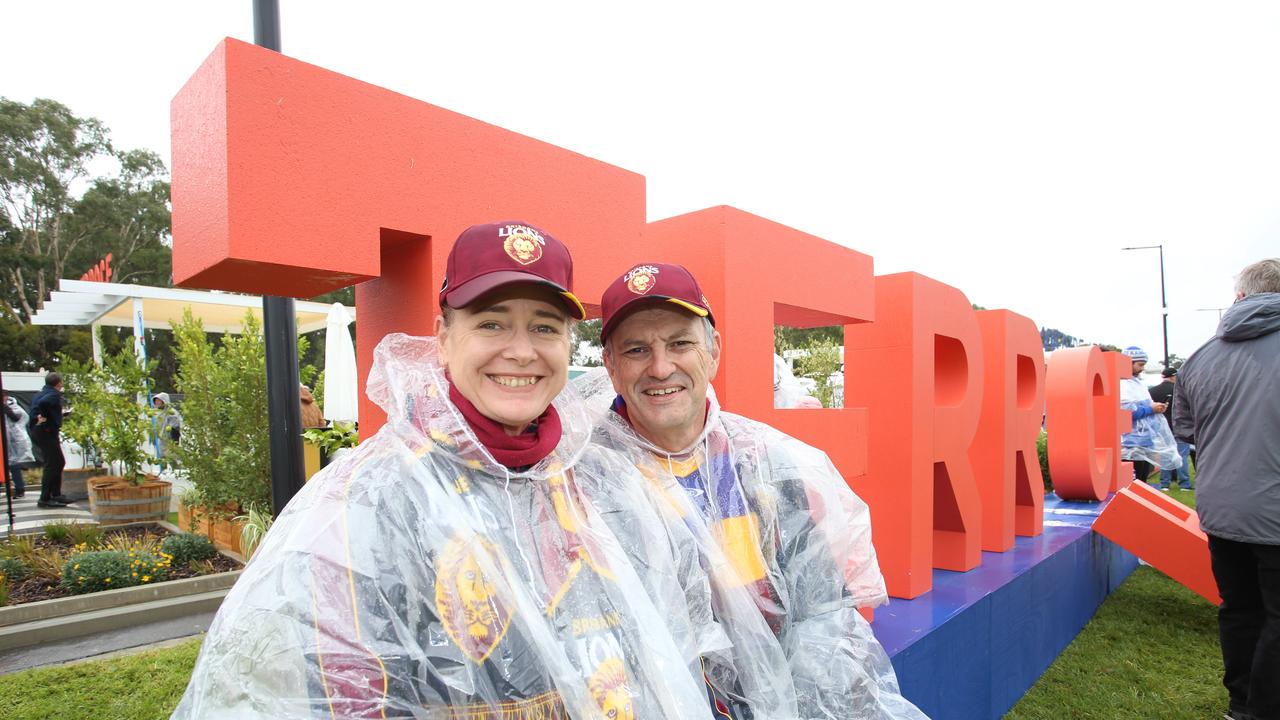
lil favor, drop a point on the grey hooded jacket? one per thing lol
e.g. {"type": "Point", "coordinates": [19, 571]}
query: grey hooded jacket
{"type": "Point", "coordinates": [1228, 405]}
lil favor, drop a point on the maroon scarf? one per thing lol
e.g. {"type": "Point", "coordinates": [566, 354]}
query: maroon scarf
{"type": "Point", "coordinates": [513, 451]}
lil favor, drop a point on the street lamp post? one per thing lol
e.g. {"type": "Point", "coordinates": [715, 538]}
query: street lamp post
{"type": "Point", "coordinates": [1164, 303]}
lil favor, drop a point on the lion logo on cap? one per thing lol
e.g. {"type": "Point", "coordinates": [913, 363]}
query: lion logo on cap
{"type": "Point", "coordinates": [641, 279]}
{"type": "Point", "coordinates": [474, 619]}
{"type": "Point", "coordinates": [522, 243]}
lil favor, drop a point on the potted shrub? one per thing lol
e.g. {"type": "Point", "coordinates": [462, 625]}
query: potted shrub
{"type": "Point", "coordinates": [224, 447]}
{"type": "Point", "coordinates": [332, 440]}
{"type": "Point", "coordinates": [116, 398]}
{"type": "Point", "coordinates": [82, 426]}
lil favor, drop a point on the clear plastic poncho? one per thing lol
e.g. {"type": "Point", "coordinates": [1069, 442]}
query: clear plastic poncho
{"type": "Point", "coordinates": [18, 450]}
{"type": "Point", "coordinates": [418, 578]}
{"type": "Point", "coordinates": [776, 524]}
{"type": "Point", "coordinates": [1151, 440]}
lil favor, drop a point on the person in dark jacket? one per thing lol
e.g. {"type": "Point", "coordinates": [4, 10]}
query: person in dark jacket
{"type": "Point", "coordinates": [46, 432]}
{"type": "Point", "coordinates": [1163, 393]}
{"type": "Point", "coordinates": [1228, 405]}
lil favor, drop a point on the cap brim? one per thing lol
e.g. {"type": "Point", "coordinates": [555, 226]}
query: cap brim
{"type": "Point", "coordinates": [621, 313]}
{"type": "Point", "coordinates": [470, 291]}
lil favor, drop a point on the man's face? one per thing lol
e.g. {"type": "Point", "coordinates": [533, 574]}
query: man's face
{"type": "Point", "coordinates": [661, 362]}
{"type": "Point", "coordinates": [508, 353]}
{"type": "Point", "coordinates": [1138, 367]}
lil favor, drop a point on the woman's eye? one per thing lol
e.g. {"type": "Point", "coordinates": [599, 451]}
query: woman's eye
{"type": "Point", "coordinates": [547, 329]}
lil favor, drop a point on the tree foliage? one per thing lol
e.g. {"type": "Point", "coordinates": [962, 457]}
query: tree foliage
{"type": "Point", "coordinates": [61, 216]}
{"type": "Point", "coordinates": [107, 419]}
{"type": "Point", "coordinates": [224, 447]}
{"type": "Point", "coordinates": [44, 151]}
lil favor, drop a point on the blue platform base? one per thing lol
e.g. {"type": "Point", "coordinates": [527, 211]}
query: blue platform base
{"type": "Point", "coordinates": [971, 647]}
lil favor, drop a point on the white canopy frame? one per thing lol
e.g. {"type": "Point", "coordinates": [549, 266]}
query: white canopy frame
{"type": "Point", "coordinates": [143, 307]}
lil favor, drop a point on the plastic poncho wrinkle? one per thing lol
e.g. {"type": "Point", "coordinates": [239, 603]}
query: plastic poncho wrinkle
{"type": "Point", "coordinates": [790, 559]}
{"type": "Point", "coordinates": [19, 449]}
{"type": "Point", "coordinates": [416, 577]}
{"type": "Point", "coordinates": [1151, 438]}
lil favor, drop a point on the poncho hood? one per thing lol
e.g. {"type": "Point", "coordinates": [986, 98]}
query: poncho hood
{"type": "Point", "coordinates": [1251, 317]}
{"type": "Point", "coordinates": [409, 384]}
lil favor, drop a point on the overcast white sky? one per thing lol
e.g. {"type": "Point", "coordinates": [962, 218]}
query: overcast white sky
{"type": "Point", "coordinates": [1007, 148]}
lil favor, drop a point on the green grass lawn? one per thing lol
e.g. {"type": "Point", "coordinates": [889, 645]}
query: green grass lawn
{"type": "Point", "coordinates": [1151, 652]}
{"type": "Point", "coordinates": [131, 687]}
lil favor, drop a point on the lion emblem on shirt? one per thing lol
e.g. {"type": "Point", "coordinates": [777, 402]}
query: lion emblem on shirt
{"type": "Point", "coordinates": [471, 613]}
{"type": "Point", "coordinates": [612, 693]}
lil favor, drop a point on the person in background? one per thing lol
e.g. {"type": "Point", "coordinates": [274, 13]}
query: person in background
{"type": "Point", "coordinates": [1228, 405]}
{"type": "Point", "coordinates": [1163, 394]}
{"type": "Point", "coordinates": [1135, 398]}
{"type": "Point", "coordinates": [312, 415]}
{"type": "Point", "coordinates": [45, 425]}
{"type": "Point", "coordinates": [168, 428]}
{"type": "Point", "coordinates": [18, 443]}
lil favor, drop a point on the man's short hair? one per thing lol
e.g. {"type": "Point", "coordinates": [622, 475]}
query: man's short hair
{"type": "Point", "coordinates": [1260, 277]}
{"type": "Point", "coordinates": [53, 379]}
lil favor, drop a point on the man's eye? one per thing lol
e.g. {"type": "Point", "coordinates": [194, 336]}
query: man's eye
{"type": "Point", "coordinates": [490, 325]}
{"type": "Point", "coordinates": [546, 329]}
{"type": "Point", "coordinates": [637, 351]}
{"type": "Point", "coordinates": [682, 344]}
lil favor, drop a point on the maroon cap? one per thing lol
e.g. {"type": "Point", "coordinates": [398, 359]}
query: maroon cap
{"type": "Point", "coordinates": [652, 281]}
{"type": "Point", "coordinates": [486, 257]}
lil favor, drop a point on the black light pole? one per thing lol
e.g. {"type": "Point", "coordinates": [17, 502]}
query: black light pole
{"type": "Point", "coordinates": [1164, 304]}
{"type": "Point", "coordinates": [280, 332]}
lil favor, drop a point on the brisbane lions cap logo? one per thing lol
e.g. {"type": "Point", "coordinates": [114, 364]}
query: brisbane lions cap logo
{"type": "Point", "coordinates": [522, 243]}
{"type": "Point", "coordinates": [641, 279]}
{"type": "Point", "coordinates": [472, 615]}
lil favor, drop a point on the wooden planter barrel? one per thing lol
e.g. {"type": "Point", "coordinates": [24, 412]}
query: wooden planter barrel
{"type": "Point", "coordinates": [114, 500]}
{"type": "Point", "coordinates": [75, 483]}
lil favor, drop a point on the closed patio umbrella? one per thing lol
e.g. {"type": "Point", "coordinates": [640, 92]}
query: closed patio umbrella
{"type": "Point", "coordinates": [341, 394]}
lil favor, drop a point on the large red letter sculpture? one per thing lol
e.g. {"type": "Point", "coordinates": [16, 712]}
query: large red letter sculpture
{"type": "Point", "coordinates": [918, 370]}
{"type": "Point", "coordinates": [292, 180]}
{"type": "Point", "coordinates": [289, 179]}
{"type": "Point", "coordinates": [1004, 454]}
{"type": "Point", "coordinates": [1080, 403]}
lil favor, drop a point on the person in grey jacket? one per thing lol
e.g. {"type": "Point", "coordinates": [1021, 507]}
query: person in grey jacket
{"type": "Point", "coordinates": [1228, 405]}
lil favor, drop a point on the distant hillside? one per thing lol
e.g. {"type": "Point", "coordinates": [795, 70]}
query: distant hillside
{"type": "Point", "coordinates": [1053, 339]}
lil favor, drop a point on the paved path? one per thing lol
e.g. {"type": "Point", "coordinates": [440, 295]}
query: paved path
{"type": "Point", "coordinates": [93, 647]}
{"type": "Point", "coordinates": [29, 519]}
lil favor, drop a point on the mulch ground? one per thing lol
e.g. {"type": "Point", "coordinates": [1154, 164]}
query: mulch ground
{"type": "Point", "coordinates": [33, 589]}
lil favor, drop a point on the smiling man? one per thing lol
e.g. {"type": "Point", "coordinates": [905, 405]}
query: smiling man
{"type": "Point", "coordinates": [778, 528]}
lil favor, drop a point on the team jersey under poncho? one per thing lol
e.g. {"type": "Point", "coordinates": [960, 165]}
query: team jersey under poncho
{"type": "Point", "coordinates": [418, 578]}
{"type": "Point", "coordinates": [780, 533]}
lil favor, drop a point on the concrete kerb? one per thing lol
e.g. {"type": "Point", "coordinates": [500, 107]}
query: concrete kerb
{"type": "Point", "coordinates": [64, 618]}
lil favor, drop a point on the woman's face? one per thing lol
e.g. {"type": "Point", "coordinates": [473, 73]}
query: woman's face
{"type": "Point", "coordinates": [508, 353]}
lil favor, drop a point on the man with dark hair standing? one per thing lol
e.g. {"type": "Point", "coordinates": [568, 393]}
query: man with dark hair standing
{"type": "Point", "coordinates": [1163, 394]}
{"type": "Point", "coordinates": [1228, 406]}
{"type": "Point", "coordinates": [46, 426]}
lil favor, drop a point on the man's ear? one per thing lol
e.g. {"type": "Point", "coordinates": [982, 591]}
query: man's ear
{"type": "Point", "coordinates": [717, 346]}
